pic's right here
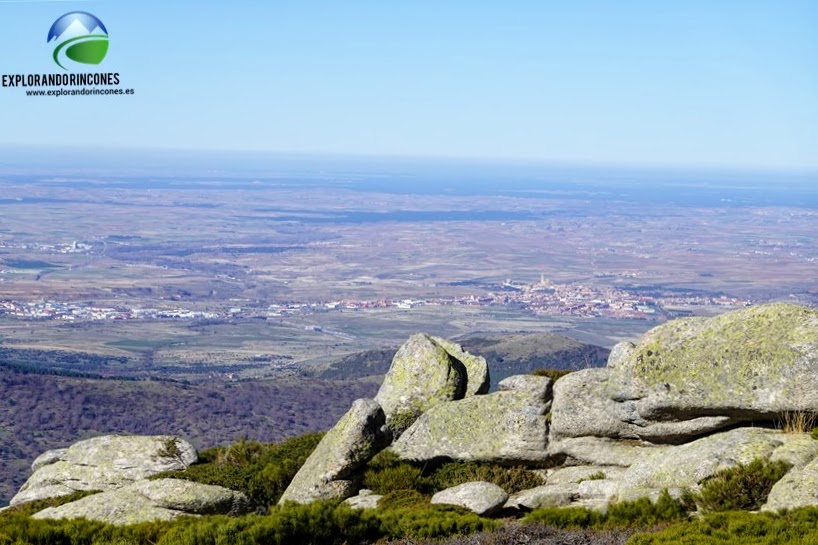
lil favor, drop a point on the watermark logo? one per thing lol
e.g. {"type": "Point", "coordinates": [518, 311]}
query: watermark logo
{"type": "Point", "coordinates": [79, 37]}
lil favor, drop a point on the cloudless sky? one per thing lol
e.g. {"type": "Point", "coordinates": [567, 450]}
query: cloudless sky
{"type": "Point", "coordinates": [689, 83]}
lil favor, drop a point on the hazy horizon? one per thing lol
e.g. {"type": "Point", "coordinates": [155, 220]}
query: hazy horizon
{"type": "Point", "coordinates": [695, 84]}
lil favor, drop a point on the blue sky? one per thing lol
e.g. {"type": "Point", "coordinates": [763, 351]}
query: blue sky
{"type": "Point", "coordinates": [684, 83]}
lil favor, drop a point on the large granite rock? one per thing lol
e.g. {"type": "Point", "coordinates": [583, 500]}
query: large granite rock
{"type": "Point", "coordinates": [596, 451]}
{"type": "Point", "coordinates": [798, 450]}
{"type": "Point", "coordinates": [102, 464]}
{"type": "Point", "coordinates": [508, 427]}
{"type": "Point", "coordinates": [547, 495]}
{"type": "Point", "coordinates": [480, 497]}
{"type": "Point", "coordinates": [798, 488]}
{"type": "Point", "coordinates": [570, 486]}
{"type": "Point", "coordinates": [686, 466]}
{"type": "Point", "coordinates": [478, 380]}
{"type": "Point", "coordinates": [579, 474]}
{"type": "Point", "coordinates": [694, 376]}
{"type": "Point", "coordinates": [146, 501]}
{"type": "Point", "coordinates": [426, 371]}
{"type": "Point", "coordinates": [358, 436]}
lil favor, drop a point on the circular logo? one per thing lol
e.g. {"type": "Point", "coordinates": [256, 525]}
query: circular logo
{"type": "Point", "coordinates": [80, 38]}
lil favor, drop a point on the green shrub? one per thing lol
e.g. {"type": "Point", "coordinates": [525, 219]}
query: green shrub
{"type": "Point", "coordinates": [400, 499]}
{"type": "Point", "coordinates": [21, 529]}
{"type": "Point", "coordinates": [262, 471]}
{"type": "Point", "coordinates": [510, 479]}
{"type": "Point", "coordinates": [641, 513]}
{"type": "Point", "coordinates": [382, 460]}
{"type": "Point", "coordinates": [319, 523]}
{"type": "Point", "coordinates": [814, 433]}
{"type": "Point", "coordinates": [400, 477]}
{"type": "Point", "coordinates": [431, 522]}
{"type": "Point", "coordinates": [313, 524]}
{"type": "Point", "coordinates": [387, 473]}
{"type": "Point", "coordinates": [741, 487]}
{"type": "Point", "coordinates": [553, 374]}
{"type": "Point", "coordinates": [797, 527]}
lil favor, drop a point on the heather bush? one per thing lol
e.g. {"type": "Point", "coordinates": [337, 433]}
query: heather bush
{"type": "Point", "coordinates": [319, 523]}
{"type": "Point", "coordinates": [797, 527]}
{"type": "Point", "coordinates": [262, 471]}
{"type": "Point", "coordinates": [401, 499]}
{"type": "Point", "coordinates": [641, 513]}
{"type": "Point", "coordinates": [387, 473]}
{"type": "Point", "coordinates": [433, 521]}
{"type": "Point", "coordinates": [741, 487]}
{"type": "Point", "coordinates": [399, 477]}
{"type": "Point", "coordinates": [510, 479]}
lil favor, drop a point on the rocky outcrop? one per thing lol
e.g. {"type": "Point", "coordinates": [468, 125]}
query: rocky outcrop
{"type": "Point", "coordinates": [684, 467]}
{"type": "Point", "coordinates": [480, 497]}
{"type": "Point", "coordinates": [579, 485]}
{"type": "Point", "coordinates": [508, 427]}
{"type": "Point", "coordinates": [798, 450]}
{"type": "Point", "coordinates": [478, 381]}
{"type": "Point", "coordinates": [426, 371]}
{"type": "Point", "coordinates": [595, 451]}
{"type": "Point", "coordinates": [103, 464]}
{"type": "Point", "coordinates": [694, 376]}
{"type": "Point", "coordinates": [547, 495]}
{"type": "Point", "coordinates": [798, 488]}
{"type": "Point", "coordinates": [580, 474]}
{"type": "Point", "coordinates": [145, 501]}
{"type": "Point", "coordinates": [329, 471]}
{"type": "Point", "coordinates": [691, 398]}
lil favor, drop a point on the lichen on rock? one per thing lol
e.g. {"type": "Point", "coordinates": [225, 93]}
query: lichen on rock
{"type": "Point", "coordinates": [506, 427]}
{"type": "Point", "coordinates": [146, 501]}
{"type": "Point", "coordinates": [695, 376]}
{"type": "Point", "coordinates": [103, 463]}
{"type": "Point", "coordinates": [355, 439]}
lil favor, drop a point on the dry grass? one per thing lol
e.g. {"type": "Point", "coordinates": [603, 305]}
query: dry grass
{"type": "Point", "coordinates": [797, 421]}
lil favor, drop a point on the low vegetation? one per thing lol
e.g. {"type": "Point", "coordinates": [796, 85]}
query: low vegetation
{"type": "Point", "coordinates": [405, 514]}
{"type": "Point", "coordinates": [797, 527]}
{"type": "Point", "coordinates": [797, 421]}
{"type": "Point", "coordinates": [741, 487]}
{"type": "Point", "coordinates": [262, 471]}
{"type": "Point", "coordinates": [386, 473]}
{"type": "Point", "coordinates": [641, 513]}
{"type": "Point", "coordinates": [41, 412]}
{"type": "Point", "coordinates": [317, 524]}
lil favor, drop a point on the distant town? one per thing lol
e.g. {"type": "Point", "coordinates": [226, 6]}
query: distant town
{"type": "Point", "coordinates": [540, 298]}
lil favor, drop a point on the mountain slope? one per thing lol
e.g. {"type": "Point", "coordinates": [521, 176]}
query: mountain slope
{"type": "Point", "coordinates": [41, 412]}
{"type": "Point", "coordinates": [505, 355]}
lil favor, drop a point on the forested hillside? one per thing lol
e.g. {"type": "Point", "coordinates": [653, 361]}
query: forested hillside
{"type": "Point", "coordinates": [40, 412]}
